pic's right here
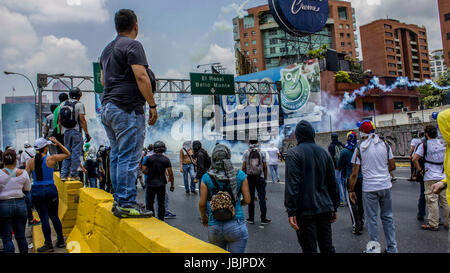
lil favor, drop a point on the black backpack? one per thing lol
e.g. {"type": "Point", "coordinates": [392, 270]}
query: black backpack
{"type": "Point", "coordinates": [222, 202]}
{"type": "Point", "coordinates": [254, 163]}
{"type": "Point", "coordinates": [67, 114]}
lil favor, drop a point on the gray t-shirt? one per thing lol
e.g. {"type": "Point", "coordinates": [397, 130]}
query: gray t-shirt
{"type": "Point", "coordinates": [49, 123]}
{"type": "Point", "coordinates": [263, 158]}
{"type": "Point", "coordinates": [121, 87]}
{"type": "Point", "coordinates": [79, 110]}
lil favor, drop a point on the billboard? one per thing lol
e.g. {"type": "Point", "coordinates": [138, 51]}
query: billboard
{"type": "Point", "coordinates": [300, 100]}
{"type": "Point", "coordinates": [300, 16]}
{"type": "Point", "coordinates": [18, 124]}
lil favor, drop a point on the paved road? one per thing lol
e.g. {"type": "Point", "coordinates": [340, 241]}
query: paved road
{"type": "Point", "coordinates": [278, 237]}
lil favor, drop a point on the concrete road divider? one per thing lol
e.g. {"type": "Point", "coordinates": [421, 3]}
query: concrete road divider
{"type": "Point", "coordinates": [97, 230]}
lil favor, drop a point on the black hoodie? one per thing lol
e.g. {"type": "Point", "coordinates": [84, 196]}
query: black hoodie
{"type": "Point", "coordinates": [311, 187]}
{"type": "Point", "coordinates": [202, 159]}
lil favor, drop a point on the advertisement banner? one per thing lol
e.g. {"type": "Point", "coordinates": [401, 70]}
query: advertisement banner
{"type": "Point", "coordinates": [300, 99]}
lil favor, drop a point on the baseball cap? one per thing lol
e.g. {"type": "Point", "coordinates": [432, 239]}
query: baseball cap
{"type": "Point", "coordinates": [41, 143]}
{"type": "Point", "coordinates": [366, 127]}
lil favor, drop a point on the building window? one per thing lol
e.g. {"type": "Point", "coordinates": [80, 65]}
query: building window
{"type": "Point", "coordinates": [447, 17]}
{"type": "Point", "coordinates": [393, 73]}
{"type": "Point", "coordinates": [387, 26]}
{"type": "Point", "coordinates": [423, 47]}
{"type": "Point", "coordinates": [254, 42]}
{"type": "Point", "coordinates": [342, 35]}
{"type": "Point", "coordinates": [424, 55]}
{"type": "Point", "coordinates": [351, 54]}
{"type": "Point", "coordinates": [426, 76]}
{"type": "Point", "coordinates": [273, 32]}
{"type": "Point", "coordinates": [398, 105]}
{"type": "Point", "coordinates": [422, 40]}
{"type": "Point", "coordinates": [272, 50]}
{"type": "Point", "coordinates": [249, 21]}
{"type": "Point", "coordinates": [390, 57]}
{"type": "Point", "coordinates": [255, 60]}
{"type": "Point", "coordinates": [388, 34]}
{"type": "Point", "coordinates": [341, 26]}
{"type": "Point", "coordinates": [389, 42]}
{"type": "Point", "coordinates": [245, 35]}
{"type": "Point", "coordinates": [342, 43]}
{"type": "Point", "coordinates": [247, 53]}
{"type": "Point", "coordinates": [350, 106]}
{"type": "Point", "coordinates": [368, 106]}
{"type": "Point", "coordinates": [448, 36]}
{"type": "Point", "coordinates": [268, 61]}
{"type": "Point", "coordinates": [392, 65]}
{"type": "Point", "coordinates": [246, 44]}
{"type": "Point", "coordinates": [253, 33]}
{"type": "Point", "coordinates": [273, 41]}
{"type": "Point", "coordinates": [347, 26]}
{"type": "Point", "coordinates": [425, 61]}
{"type": "Point", "coordinates": [422, 33]}
{"type": "Point", "coordinates": [254, 51]}
{"type": "Point", "coordinates": [342, 11]}
{"type": "Point", "coordinates": [426, 69]}
{"type": "Point", "coordinates": [390, 49]}
{"type": "Point", "coordinates": [349, 44]}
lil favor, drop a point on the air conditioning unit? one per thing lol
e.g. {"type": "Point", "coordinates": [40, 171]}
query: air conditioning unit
{"type": "Point", "coordinates": [422, 107]}
{"type": "Point", "coordinates": [405, 109]}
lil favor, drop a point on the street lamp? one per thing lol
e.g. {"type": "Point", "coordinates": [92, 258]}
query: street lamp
{"type": "Point", "coordinates": [32, 86]}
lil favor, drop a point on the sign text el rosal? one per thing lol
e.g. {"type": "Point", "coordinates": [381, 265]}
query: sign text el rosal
{"type": "Point", "coordinates": [213, 81]}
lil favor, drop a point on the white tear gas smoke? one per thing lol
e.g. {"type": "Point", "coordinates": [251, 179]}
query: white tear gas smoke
{"type": "Point", "coordinates": [375, 83]}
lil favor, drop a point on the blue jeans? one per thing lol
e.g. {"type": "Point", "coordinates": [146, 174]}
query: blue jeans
{"type": "Point", "coordinates": [46, 201]}
{"type": "Point", "coordinates": [188, 169]}
{"type": "Point", "coordinates": [93, 182]}
{"type": "Point", "coordinates": [341, 186]}
{"type": "Point", "coordinates": [383, 200]}
{"type": "Point", "coordinates": [230, 235]}
{"type": "Point", "coordinates": [13, 216]}
{"type": "Point", "coordinates": [274, 172]}
{"type": "Point", "coordinates": [73, 141]}
{"type": "Point", "coordinates": [126, 134]}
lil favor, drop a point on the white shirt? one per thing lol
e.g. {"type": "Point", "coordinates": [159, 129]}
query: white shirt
{"type": "Point", "coordinates": [12, 187]}
{"type": "Point", "coordinates": [273, 155]}
{"type": "Point", "coordinates": [25, 157]}
{"type": "Point", "coordinates": [435, 153]}
{"type": "Point", "coordinates": [415, 142]}
{"type": "Point", "coordinates": [374, 167]}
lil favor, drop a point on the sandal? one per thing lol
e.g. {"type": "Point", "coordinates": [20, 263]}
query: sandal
{"type": "Point", "coordinates": [428, 227]}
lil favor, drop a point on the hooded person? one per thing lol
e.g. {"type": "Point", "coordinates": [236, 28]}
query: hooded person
{"type": "Point", "coordinates": [335, 149]}
{"type": "Point", "coordinates": [201, 159]}
{"type": "Point", "coordinates": [444, 128]}
{"type": "Point", "coordinates": [311, 194]}
{"type": "Point", "coordinates": [222, 174]}
{"type": "Point", "coordinates": [346, 166]}
{"type": "Point", "coordinates": [92, 166]}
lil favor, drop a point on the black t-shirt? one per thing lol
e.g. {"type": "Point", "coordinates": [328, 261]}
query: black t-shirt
{"type": "Point", "coordinates": [156, 165]}
{"type": "Point", "coordinates": [121, 87]}
{"type": "Point", "coordinates": [91, 167]}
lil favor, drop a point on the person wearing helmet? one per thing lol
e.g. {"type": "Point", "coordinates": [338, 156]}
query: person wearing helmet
{"type": "Point", "coordinates": [158, 168]}
{"type": "Point", "coordinates": [72, 121]}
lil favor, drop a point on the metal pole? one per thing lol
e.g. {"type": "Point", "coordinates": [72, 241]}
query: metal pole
{"type": "Point", "coordinates": [40, 111]}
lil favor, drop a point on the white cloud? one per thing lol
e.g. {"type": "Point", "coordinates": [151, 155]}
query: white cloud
{"type": "Point", "coordinates": [222, 26]}
{"type": "Point", "coordinates": [222, 55]}
{"type": "Point", "coordinates": [171, 74]}
{"type": "Point", "coordinates": [16, 30]}
{"type": "Point", "coordinates": [57, 55]}
{"type": "Point", "coordinates": [53, 11]}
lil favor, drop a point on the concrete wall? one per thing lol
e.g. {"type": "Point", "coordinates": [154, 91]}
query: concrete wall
{"type": "Point", "coordinates": [399, 137]}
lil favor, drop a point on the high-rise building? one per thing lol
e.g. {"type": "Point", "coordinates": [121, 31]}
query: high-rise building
{"type": "Point", "coordinates": [395, 49]}
{"type": "Point", "coordinates": [444, 15]}
{"type": "Point", "coordinates": [266, 45]}
{"type": "Point", "coordinates": [437, 63]}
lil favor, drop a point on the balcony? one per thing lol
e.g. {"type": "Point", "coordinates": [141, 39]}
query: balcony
{"type": "Point", "coordinates": [413, 43]}
{"type": "Point", "coordinates": [414, 50]}
{"type": "Point", "coordinates": [269, 25]}
{"type": "Point", "coordinates": [415, 57]}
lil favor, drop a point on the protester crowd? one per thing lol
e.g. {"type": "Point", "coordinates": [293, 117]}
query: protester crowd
{"type": "Point", "coordinates": [357, 174]}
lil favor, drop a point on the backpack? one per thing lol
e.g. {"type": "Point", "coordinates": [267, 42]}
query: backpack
{"type": "Point", "coordinates": [253, 165]}
{"type": "Point", "coordinates": [422, 160]}
{"type": "Point", "coordinates": [67, 114]}
{"type": "Point", "coordinates": [222, 202]}
{"type": "Point", "coordinates": [337, 151]}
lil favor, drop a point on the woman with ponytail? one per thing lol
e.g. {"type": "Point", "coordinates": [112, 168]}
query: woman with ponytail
{"type": "Point", "coordinates": [13, 208]}
{"type": "Point", "coordinates": [44, 192]}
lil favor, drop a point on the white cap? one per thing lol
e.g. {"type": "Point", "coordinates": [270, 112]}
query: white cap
{"type": "Point", "coordinates": [41, 143]}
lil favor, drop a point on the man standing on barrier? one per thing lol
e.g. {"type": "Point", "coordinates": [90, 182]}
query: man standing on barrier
{"type": "Point", "coordinates": [126, 78]}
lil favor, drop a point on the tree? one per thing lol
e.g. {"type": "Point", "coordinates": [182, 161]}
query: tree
{"type": "Point", "coordinates": [357, 73]}
{"type": "Point", "coordinates": [318, 53]}
{"type": "Point", "coordinates": [433, 97]}
{"type": "Point", "coordinates": [342, 76]}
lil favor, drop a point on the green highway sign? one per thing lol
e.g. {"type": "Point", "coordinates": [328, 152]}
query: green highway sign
{"type": "Point", "coordinates": [212, 84]}
{"type": "Point", "coordinates": [98, 87]}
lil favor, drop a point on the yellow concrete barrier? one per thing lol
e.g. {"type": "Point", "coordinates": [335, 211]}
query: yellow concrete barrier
{"type": "Point", "coordinates": [97, 230]}
{"type": "Point", "coordinates": [68, 202]}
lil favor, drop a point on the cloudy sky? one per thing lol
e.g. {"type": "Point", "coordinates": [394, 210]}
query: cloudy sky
{"type": "Point", "coordinates": [66, 36]}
